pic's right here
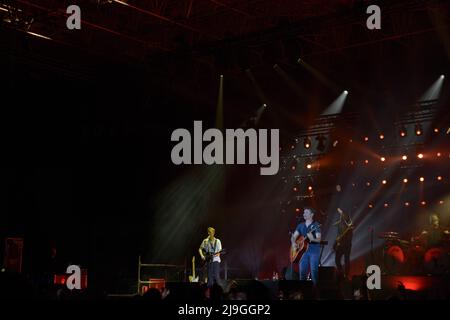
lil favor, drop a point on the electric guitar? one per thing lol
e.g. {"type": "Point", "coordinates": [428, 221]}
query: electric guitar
{"type": "Point", "coordinates": [300, 246]}
{"type": "Point", "coordinates": [209, 256]}
{"type": "Point", "coordinates": [337, 243]}
{"type": "Point", "coordinates": [193, 278]}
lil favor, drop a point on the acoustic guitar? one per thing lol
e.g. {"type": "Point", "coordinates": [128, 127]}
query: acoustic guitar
{"type": "Point", "coordinates": [300, 246]}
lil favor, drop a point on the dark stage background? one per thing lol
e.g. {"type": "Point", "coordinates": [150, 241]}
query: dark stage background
{"type": "Point", "coordinates": [86, 146]}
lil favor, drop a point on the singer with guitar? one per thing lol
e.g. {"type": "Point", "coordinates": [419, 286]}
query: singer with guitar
{"type": "Point", "coordinates": [307, 235]}
{"type": "Point", "coordinates": [209, 251]}
{"type": "Point", "coordinates": [343, 243]}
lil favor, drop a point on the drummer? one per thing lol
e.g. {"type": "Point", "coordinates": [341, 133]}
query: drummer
{"type": "Point", "coordinates": [435, 235]}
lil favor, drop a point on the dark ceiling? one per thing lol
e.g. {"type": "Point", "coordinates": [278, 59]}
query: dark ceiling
{"type": "Point", "coordinates": [183, 46]}
{"type": "Point", "coordinates": [137, 29]}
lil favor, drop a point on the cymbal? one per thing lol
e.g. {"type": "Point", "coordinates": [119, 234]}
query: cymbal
{"type": "Point", "coordinates": [390, 233]}
{"type": "Point", "coordinates": [389, 237]}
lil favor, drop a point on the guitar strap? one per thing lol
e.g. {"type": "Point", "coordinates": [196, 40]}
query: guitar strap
{"type": "Point", "coordinates": [310, 227]}
{"type": "Point", "coordinates": [210, 246]}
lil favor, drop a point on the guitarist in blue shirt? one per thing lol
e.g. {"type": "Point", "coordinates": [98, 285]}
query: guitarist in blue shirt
{"type": "Point", "coordinates": [209, 251]}
{"type": "Point", "coordinates": [310, 230]}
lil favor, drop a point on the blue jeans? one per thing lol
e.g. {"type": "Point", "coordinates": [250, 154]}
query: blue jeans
{"type": "Point", "coordinates": [309, 261]}
{"type": "Point", "coordinates": [213, 273]}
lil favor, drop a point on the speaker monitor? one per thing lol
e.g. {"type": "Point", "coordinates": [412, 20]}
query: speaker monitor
{"type": "Point", "coordinates": [327, 277]}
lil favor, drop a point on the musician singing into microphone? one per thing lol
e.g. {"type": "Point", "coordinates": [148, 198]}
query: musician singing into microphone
{"type": "Point", "coordinates": [309, 261]}
{"type": "Point", "coordinates": [343, 243]}
{"type": "Point", "coordinates": [210, 251]}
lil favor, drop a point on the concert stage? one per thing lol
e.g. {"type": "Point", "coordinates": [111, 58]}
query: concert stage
{"type": "Point", "coordinates": [150, 144]}
{"type": "Point", "coordinates": [392, 288]}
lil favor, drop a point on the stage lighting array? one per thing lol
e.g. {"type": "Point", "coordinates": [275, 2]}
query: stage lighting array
{"type": "Point", "coordinates": [418, 158]}
{"type": "Point", "coordinates": [406, 204]}
{"type": "Point", "coordinates": [403, 132]}
{"type": "Point", "coordinates": [421, 179]}
{"type": "Point", "coordinates": [408, 155]}
{"type": "Point", "coordinates": [308, 187]}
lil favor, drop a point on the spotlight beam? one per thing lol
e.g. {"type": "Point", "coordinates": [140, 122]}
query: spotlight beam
{"type": "Point", "coordinates": [219, 108]}
{"type": "Point", "coordinates": [337, 105]}
{"type": "Point", "coordinates": [319, 76]}
{"type": "Point", "coordinates": [434, 91]}
{"type": "Point", "coordinates": [259, 92]}
{"type": "Point", "coordinates": [290, 82]}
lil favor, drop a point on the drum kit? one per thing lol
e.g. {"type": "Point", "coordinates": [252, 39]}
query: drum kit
{"type": "Point", "coordinates": [402, 257]}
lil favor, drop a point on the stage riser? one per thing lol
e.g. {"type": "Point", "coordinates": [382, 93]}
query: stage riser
{"type": "Point", "coordinates": [417, 287]}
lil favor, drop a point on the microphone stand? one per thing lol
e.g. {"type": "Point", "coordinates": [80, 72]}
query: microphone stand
{"type": "Point", "coordinates": [291, 271]}
{"type": "Point", "coordinates": [371, 245]}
